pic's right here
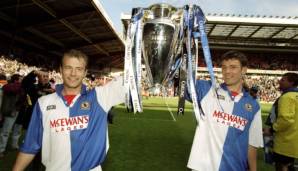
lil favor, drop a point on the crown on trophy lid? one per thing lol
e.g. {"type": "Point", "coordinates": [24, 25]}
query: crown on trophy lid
{"type": "Point", "coordinates": [159, 34]}
{"type": "Point", "coordinates": [162, 10]}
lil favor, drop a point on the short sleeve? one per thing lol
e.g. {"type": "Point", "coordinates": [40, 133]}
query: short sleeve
{"type": "Point", "coordinates": [255, 131]}
{"type": "Point", "coordinates": [111, 94]}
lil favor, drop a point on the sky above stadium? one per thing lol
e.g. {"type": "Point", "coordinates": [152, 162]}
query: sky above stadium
{"type": "Point", "coordinates": [114, 8]}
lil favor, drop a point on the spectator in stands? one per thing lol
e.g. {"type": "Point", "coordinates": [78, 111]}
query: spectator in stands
{"type": "Point", "coordinates": [29, 85]}
{"type": "Point", "coordinates": [44, 86]}
{"type": "Point", "coordinates": [2, 83]}
{"type": "Point", "coordinates": [71, 125]}
{"type": "Point", "coordinates": [284, 124]}
{"type": "Point", "coordinates": [221, 143]}
{"type": "Point", "coordinates": [10, 109]}
{"type": "Point", "coordinates": [254, 91]}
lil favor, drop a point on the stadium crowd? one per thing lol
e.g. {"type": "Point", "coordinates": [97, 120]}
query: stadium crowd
{"type": "Point", "coordinates": [261, 62]}
{"type": "Point", "coordinates": [267, 84]}
{"type": "Point", "coordinates": [9, 67]}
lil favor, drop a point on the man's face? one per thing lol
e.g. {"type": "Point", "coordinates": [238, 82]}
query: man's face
{"type": "Point", "coordinates": [43, 77]}
{"type": "Point", "coordinates": [232, 71]}
{"type": "Point", "coordinates": [73, 71]}
{"type": "Point", "coordinates": [284, 83]}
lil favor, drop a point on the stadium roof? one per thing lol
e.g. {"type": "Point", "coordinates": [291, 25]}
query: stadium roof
{"type": "Point", "coordinates": [41, 30]}
{"type": "Point", "coordinates": [256, 33]}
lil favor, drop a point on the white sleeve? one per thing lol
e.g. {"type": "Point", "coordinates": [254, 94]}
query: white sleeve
{"type": "Point", "coordinates": [111, 94]}
{"type": "Point", "coordinates": [255, 131]}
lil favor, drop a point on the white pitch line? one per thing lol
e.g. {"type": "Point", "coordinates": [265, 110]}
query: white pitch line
{"type": "Point", "coordinates": [169, 109]}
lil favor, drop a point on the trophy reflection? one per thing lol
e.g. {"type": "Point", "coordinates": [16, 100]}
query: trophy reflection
{"type": "Point", "coordinates": [158, 36]}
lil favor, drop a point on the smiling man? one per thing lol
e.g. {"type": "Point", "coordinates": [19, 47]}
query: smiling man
{"type": "Point", "coordinates": [230, 128]}
{"type": "Point", "coordinates": [70, 126]}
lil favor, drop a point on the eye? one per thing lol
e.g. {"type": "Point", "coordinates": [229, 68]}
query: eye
{"type": "Point", "coordinates": [80, 69]}
{"type": "Point", "coordinates": [66, 67]}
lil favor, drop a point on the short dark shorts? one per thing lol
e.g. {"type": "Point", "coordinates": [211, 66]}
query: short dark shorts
{"type": "Point", "coordinates": [279, 158]}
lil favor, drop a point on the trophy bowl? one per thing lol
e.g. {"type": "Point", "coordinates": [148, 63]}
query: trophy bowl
{"type": "Point", "coordinates": [158, 37]}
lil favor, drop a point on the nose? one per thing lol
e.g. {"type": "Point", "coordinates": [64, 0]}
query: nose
{"type": "Point", "coordinates": [73, 72]}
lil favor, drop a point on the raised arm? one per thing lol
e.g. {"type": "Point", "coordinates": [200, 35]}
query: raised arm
{"type": "Point", "coordinates": [113, 93]}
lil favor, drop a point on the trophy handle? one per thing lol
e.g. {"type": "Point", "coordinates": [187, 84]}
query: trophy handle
{"type": "Point", "coordinates": [174, 56]}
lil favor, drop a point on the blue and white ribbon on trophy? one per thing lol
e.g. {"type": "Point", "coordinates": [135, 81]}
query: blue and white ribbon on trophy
{"type": "Point", "coordinates": [191, 28]}
{"type": "Point", "coordinates": [188, 18]}
{"type": "Point", "coordinates": [200, 20]}
{"type": "Point", "coordinates": [132, 65]}
{"type": "Point", "coordinates": [194, 18]}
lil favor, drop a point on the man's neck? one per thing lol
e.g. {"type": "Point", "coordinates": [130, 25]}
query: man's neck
{"type": "Point", "coordinates": [235, 88]}
{"type": "Point", "coordinates": [71, 91]}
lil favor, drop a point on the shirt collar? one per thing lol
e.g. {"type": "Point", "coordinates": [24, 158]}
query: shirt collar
{"type": "Point", "coordinates": [293, 89]}
{"type": "Point", "coordinates": [225, 87]}
{"type": "Point", "coordinates": [59, 88]}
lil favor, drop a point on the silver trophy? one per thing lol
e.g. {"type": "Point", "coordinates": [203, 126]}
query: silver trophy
{"type": "Point", "coordinates": [159, 43]}
{"type": "Point", "coordinates": [164, 39]}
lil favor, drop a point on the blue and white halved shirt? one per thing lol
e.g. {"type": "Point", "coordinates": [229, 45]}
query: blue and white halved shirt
{"type": "Point", "coordinates": [73, 137]}
{"type": "Point", "coordinates": [229, 126]}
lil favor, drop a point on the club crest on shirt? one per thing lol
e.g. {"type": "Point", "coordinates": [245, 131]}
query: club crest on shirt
{"type": "Point", "coordinates": [85, 105]}
{"type": "Point", "coordinates": [51, 107]}
{"type": "Point", "coordinates": [248, 107]}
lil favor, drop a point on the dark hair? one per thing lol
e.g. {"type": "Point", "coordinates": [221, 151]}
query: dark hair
{"type": "Point", "coordinates": [52, 80]}
{"type": "Point", "coordinates": [73, 53]}
{"type": "Point", "coordinates": [292, 77]}
{"type": "Point", "coordinates": [14, 78]}
{"type": "Point", "coordinates": [235, 55]}
{"type": "Point", "coordinates": [254, 89]}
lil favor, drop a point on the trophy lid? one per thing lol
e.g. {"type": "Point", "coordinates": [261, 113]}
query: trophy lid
{"type": "Point", "coordinates": [162, 10]}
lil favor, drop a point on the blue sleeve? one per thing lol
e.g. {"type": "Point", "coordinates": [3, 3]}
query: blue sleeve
{"type": "Point", "coordinates": [33, 139]}
{"type": "Point", "coordinates": [202, 88]}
